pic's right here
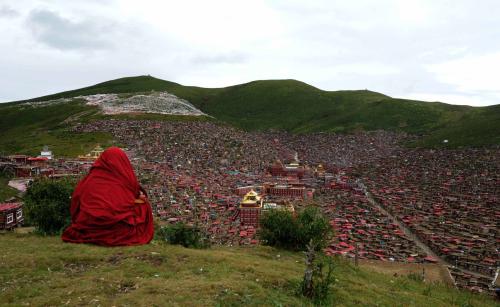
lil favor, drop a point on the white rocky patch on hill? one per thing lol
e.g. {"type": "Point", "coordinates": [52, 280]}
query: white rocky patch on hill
{"type": "Point", "coordinates": [155, 102]}
{"type": "Point", "coordinates": [160, 103]}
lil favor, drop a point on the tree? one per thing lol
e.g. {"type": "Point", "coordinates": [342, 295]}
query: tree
{"type": "Point", "coordinates": [47, 203]}
{"type": "Point", "coordinates": [281, 229]}
{"type": "Point", "coordinates": [185, 235]}
{"type": "Point", "coordinates": [316, 282]}
{"type": "Point", "coordinates": [314, 228]}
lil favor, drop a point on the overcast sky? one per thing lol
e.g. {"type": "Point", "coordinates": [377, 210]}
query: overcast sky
{"type": "Point", "coordinates": [430, 50]}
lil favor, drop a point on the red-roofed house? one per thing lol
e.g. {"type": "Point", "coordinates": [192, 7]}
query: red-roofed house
{"type": "Point", "coordinates": [11, 215]}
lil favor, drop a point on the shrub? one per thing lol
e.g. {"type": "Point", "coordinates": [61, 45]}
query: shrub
{"type": "Point", "coordinates": [185, 235]}
{"type": "Point", "coordinates": [317, 282]}
{"type": "Point", "coordinates": [282, 229]}
{"type": "Point", "coordinates": [279, 228]}
{"type": "Point", "coordinates": [313, 226]}
{"type": "Point", "coordinates": [47, 204]}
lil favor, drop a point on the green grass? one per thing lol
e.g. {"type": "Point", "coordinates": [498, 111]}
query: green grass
{"type": "Point", "coordinates": [6, 192]}
{"type": "Point", "coordinates": [480, 127]}
{"type": "Point", "coordinates": [298, 107]}
{"type": "Point", "coordinates": [44, 271]}
{"type": "Point", "coordinates": [26, 130]}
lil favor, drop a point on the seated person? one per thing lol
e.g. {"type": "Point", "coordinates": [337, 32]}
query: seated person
{"type": "Point", "coordinates": [108, 206]}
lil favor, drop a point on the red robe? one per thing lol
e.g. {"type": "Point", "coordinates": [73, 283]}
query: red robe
{"type": "Point", "coordinates": [104, 210]}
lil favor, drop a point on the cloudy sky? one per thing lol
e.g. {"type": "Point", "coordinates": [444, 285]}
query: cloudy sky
{"type": "Point", "coordinates": [430, 50]}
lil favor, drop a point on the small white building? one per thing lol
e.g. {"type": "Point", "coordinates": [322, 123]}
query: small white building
{"type": "Point", "coordinates": [46, 153]}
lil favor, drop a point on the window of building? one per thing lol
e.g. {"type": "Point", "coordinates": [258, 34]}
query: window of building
{"type": "Point", "coordinates": [10, 218]}
{"type": "Point", "coordinates": [19, 214]}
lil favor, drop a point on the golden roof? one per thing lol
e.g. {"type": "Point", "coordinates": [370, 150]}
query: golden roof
{"type": "Point", "coordinates": [252, 193]}
{"type": "Point", "coordinates": [252, 198]}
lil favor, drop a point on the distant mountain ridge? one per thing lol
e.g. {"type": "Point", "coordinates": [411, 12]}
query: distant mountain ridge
{"type": "Point", "coordinates": [299, 107]}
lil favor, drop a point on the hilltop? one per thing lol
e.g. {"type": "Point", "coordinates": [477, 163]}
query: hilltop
{"type": "Point", "coordinates": [44, 271]}
{"type": "Point", "coordinates": [259, 105]}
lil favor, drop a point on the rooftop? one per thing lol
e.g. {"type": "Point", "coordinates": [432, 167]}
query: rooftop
{"type": "Point", "coordinates": [9, 206]}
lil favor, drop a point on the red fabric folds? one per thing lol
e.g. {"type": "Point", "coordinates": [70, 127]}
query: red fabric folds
{"type": "Point", "coordinates": [103, 206]}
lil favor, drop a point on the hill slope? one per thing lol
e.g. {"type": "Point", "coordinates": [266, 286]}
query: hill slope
{"type": "Point", "coordinates": [27, 129]}
{"type": "Point", "coordinates": [122, 85]}
{"type": "Point", "coordinates": [283, 104]}
{"type": "Point", "coordinates": [45, 271]}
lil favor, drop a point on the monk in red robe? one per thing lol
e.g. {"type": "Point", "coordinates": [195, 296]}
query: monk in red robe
{"type": "Point", "coordinates": [108, 206]}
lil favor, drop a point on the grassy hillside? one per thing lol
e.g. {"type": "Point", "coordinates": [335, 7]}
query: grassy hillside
{"type": "Point", "coordinates": [6, 192]}
{"type": "Point", "coordinates": [44, 271]}
{"type": "Point", "coordinates": [298, 107]}
{"type": "Point", "coordinates": [27, 129]}
{"type": "Point", "coordinates": [480, 126]}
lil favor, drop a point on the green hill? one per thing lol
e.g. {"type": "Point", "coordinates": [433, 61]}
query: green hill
{"type": "Point", "coordinates": [259, 105]}
{"type": "Point", "coordinates": [27, 129]}
{"type": "Point", "coordinates": [44, 271]}
{"type": "Point", "coordinates": [122, 85]}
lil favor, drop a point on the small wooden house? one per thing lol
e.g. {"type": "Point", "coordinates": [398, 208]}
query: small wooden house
{"type": "Point", "coordinates": [11, 215]}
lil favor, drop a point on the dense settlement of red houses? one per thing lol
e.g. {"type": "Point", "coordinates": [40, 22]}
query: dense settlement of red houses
{"type": "Point", "coordinates": [24, 168]}
{"type": "Point", "coordinates": [222, 179]}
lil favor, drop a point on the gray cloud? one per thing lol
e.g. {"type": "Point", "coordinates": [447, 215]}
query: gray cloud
{"type": "Point", "coordinates": [227, 58]}
{"type": "Point", "coordinates": [8, 12]}
{"type": "Point", "coordinates": [51, 29]}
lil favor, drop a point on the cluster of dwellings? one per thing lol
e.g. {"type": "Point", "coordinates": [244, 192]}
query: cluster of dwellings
{"type": "Point", "coordinates": [200, 172]}
{"type": "Point", "coordinates": [450, 200]}
{"type": "Point", "coordinates": [45, 165]}
{"type": "Point", "coordinates": [231, 216]}
{"type": "Point", "coordinates": [25, 166]}
{"type": "Point", "coordinates": [208, 174]}
{"type": "Point", "coordinates": [24, 169]}
{"type": "Point", "coordinates": [363, 231]}
{"type": "Point", "coordinates": [209, 204]}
